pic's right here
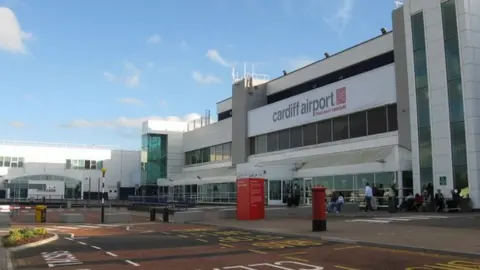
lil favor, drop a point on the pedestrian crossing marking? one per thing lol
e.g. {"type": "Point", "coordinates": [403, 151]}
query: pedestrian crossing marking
{"type": "Point", "coordinates": [386, 220]}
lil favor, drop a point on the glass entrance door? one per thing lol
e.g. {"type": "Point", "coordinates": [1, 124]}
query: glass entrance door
{"type": "Point", "coordinates": [274, 192]}
{"type": "Point", "coordinates": [308, 191]}
{"type": "Point", "coordinates": [297, 183]}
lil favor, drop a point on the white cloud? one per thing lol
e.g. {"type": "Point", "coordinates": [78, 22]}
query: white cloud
{"type": "Point", "coordinates": [299, 62]}
{"type": "Point", "coordinates": [126, 122]}
{"type": "Point", "coordinates": [184, 45]}
{"type": "Point", "coordinates": [17, 124]}
{"type": "Point", "coordinates": [205, 79]}
{"type": "Point", "coordinates": [130, 79]}
{"type": "Point", "coordinates": [339, 20]}
{"type": "Point", "coordinates": [215, 56]}
{"type": "Point", "coordinates": [12, 37]}
{"type": "Point", "coordinates": [154, 39]}
{"type": "Point", "coordinates": [131, 101]}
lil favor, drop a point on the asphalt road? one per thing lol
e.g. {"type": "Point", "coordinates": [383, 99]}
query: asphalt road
{"type": "Point", "coordinates": [190, 247]}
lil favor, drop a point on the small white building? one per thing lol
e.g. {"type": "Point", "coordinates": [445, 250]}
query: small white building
{"type": "Point", "coordinates": [56, 171]}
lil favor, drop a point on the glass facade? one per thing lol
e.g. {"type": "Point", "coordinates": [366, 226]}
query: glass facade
{"type": "Point", "coordinates": [373, 121]}
{"type": "Point", "coordinates": [422, 100]}
{"type": "Point", "coordinates": [154, 158]}
{"type": "Point", "coordinates": [455, 95]}
{"type": "Point", "coordinates": [208, 154]}
{"type": "Point", "coordinates": [19, 186]}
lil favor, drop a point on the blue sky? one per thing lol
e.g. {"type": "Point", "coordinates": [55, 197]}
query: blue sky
{"type": "Point", "coordinates": [90, 71]}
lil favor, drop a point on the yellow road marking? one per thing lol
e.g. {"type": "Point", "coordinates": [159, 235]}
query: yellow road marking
{"type": "Point", "coordinates": [416, 253]}
{"type": "Point", "coordinates": [345, 268]}
{"type": "Point", "coordinates": [226, 245]}
{"type": "Point", "coordinates": [202, 240]}
{"type": "Point", "coordinates": [257, 251]}
{"type": "Point", "coordinates": [292, 254]}
{"type": "Point", "coordinates": [349, 247]}
{"type": "Point", "coordinates": [296, 259]}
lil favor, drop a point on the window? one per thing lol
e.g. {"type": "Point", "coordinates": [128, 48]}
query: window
{"type": "Point", "coordinates": [377, 120]}
{"type": "Point", "coordinates": [459, 150]}
{"type": "Point", "coordinates": [218, 152]}
{"type": "Point", "coordinates": [452, 58]}
{"type": "Point", "coordinates": [455, 98]}
{"type": "Point", "coordinates": [20, 162]}
{"type": "Point", "coordinates": [93, 164]}
{"type": "Point", "coordinates": [212, 153]}
{"type": "Point", "coordinates": [420, 68]}
{"type": "Point", "coordinates": [187, 158]}
{"type": "Point", "coordinates": [460, 177]}
{"type": "Point", "coordinates": [1, 161]}
{"type": "Point", "coordinates": [425, 147]}
{"type": "Point", "coordinates": [392, 117]}
{"type": "Point", "coordinates": [324, 131]}
{"type": "Point", "coordinates": [418, 31]}
{"type": "Point", "coordinates": [272, 142]}
{"type": "Point", "coordinates": [261, 144]}
{"type": "Point", "coordinates": [14, 162]}
{"type": "Point", "coordinates": [423, 109]}
{"type": "Point", "coordinates": [310, 134]}
{"type": "Point", "coordinates": [226, 151]}
{"type": "Point", "coordinates": [205, 154]}
{"type": "Point", "coordinates": [449, 19]}
{"type": "Point", "coordinates": [6, 162]}
{"type": "Point", "coordinates": [358, 124]}
{"type": "Point", "coordinates": [198, 156]}
{"type": "Point", "coordinates": [340, 128]}
{"type": "Point", "coordinates": [87, 164]}
{"type": "Point", "coordinates": [296, 137]}
{"type": "Point", "coordinates": [284, 139]}
{"type": "Point", "coordinates": [251, 141]}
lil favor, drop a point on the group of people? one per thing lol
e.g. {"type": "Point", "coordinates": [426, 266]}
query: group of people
{"type": "Point", "coordinates": [336, 202]}
{"type": "Point", "coordinates": [427, 200]}
{"type": "Point", "coordinates": [292, 197]}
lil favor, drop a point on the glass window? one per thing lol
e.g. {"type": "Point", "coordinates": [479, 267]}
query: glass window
{"type": "Point", "coordinates": [361, 180]}
{"type": "Point", "coordinates": [284, 139]}
{"type": "Point", "coordinates": [455, 100]}
{"type": "Point", "coordinates": [418, 31]}
{"type": "Point", "coordinates": [20, 162]}
{"type": "Point", "coordinates": [425, 147]}
{"type": "Point", "coordinates": [218, 152]}
{"type": "Point", "coordinates": [449, 19]}
{"type": "Point", "coordinates": [93, 164]}
{"type": "Point", "coordinates": [426, 176]}
{"type": "Point", "coordinates": [459, 150]}
{"type": "Point", "coordinates": [197, 156]}
{"type": "Point", "coordinates": [358, 124]}
{"type": "Point", "coordinates": [87, 164]}
{"type": "Point", "coordinates": [272, 142]}
{"type": "Point", "coordinates": [226, 151]}
{"type": "Point", "coordinates": [324, 181]}
{"type": "Point", "coordinates": [212, 153]}
{"type": "Point", "coordinates": [386, 179]}
{"type": "Point", "coordinates": [251, 142]}
{"type": "Point", "coordinates": [377, 120]}
{"type": "Point", "coordinates": [324, 131]}
{"type": "Point", "coordinates": [392, 117]}
{"type": "Point", "coordinates": [68, 163]}
{"type": "Point", "coordinates": [205, 154]}
{"type": "Point", "coordinates": [340, 128]}
{"type": "Point", "coordinates": [310, 134]}
{"type": "Point", "coordinates": [187, 159]}
{"type": "Point", "coordinates": [261, 144]}
{"type": "Point", "coordinates": [452, 59]}
{"type": "Point", "coordinates": [423, 110]}
{"type": "Point", "coordinates": [460, 177]}
{"type": "Point", "coordinates": [344, 184]}
{"type": "Point", "coordinates": [81, 164]}
{"type": "Point", "coordinates": [296, 137]}
{"type": "Point", "coordinates": [420, 68]}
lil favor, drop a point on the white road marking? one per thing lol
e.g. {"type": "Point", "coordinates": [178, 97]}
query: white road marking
{"type": "Point", "coordinates": [66, 227]}
{"type": "Point", "coordinates": [68, 238]}
{"type": "Point", "coordinates": [95, 247]}
{"type": "Point", "coordinates": [82, 243]}
{"type": "Point", "coordinates": [88, 226]}
{"type": "Point", "coordinates": [132, 263]}
{"type": "Point", "coordinates": [111, 254]}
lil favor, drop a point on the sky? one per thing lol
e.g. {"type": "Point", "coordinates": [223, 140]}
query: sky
{"type": "Point", "coordinates": [91, 71]}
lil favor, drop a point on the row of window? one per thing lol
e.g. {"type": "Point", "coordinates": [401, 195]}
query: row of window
{"type": "Point", "coordinates": [209, 154]}
{"type": "Point", "coordinates": [80, 164]}
{"type": "Point", "coordinates": [11, 162]}
{"type": "Point", "coordinates": [335, 76]}
{"type": "Point", "coordinates": [374, 121]}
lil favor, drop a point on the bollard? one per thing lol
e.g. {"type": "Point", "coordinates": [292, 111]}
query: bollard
{"type": "Point", "coordinates": [165, 215]}
{"type": "Point", "coordinates": [319, 215]}
{"type": "Point", "coordinates": [152, 214]}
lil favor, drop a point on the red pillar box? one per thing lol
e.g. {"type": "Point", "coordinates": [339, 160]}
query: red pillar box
{"type": "Point", "coordinates": [250, 199]}
{"type": "Point", "coordinates": [319, 210]}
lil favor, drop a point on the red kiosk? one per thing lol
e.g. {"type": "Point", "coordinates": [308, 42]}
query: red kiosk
{"type": "Point", "coordinates": [250, 199]}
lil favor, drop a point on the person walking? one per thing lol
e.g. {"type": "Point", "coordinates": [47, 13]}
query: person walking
{"type": "Point", "coordinates": [368, 198]}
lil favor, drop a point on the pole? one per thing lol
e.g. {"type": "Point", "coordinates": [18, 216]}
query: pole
{"type": "Point", "coordinates": [103, 197]}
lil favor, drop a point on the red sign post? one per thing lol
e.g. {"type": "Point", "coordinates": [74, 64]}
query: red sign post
{"type": "Point", "coordinates": [319, 209]}
{"type": "Point", "coordinates": [250, 198]}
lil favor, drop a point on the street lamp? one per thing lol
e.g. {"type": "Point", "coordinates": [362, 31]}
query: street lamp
{"type": "Point", "coordinates": [103, 194]}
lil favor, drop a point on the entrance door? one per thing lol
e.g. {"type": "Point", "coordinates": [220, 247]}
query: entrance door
{"type": "Point", "coordinates": [298, 182]}
{"type": "Point", "coordinates": [308, 191]}
{"type": "Point", "coordinates": [274, 192]}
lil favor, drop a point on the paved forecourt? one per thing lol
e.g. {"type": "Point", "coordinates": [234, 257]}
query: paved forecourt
{"type": "Point", "coordinates": [194, 247]}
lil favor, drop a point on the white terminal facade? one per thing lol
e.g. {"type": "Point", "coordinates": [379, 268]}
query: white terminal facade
{"type": "Point", "coordinates": [399, 109]}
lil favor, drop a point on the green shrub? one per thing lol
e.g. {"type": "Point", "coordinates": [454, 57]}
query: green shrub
{"type": "Point", "coordinates": [16, 235]}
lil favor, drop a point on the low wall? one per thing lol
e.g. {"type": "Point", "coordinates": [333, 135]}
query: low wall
{"type": "Point", "coordinates": [118, 217]}
{"type": "Point", "coordinates": [4, 219]}
{"type": "Point", "coordinates": [72, 218]}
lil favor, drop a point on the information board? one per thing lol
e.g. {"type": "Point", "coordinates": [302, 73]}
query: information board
{"type": "Point", "coordinates": [250, 198]}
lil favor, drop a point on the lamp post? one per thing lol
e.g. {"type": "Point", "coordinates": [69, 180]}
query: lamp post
{"type": "Point", "coordinates": [103, 193]}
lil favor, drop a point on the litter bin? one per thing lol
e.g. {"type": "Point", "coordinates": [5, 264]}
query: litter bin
{"type": "Point", "coordinates": [152, 214]}
{"type": "Point", "coordinates": [41, 213]}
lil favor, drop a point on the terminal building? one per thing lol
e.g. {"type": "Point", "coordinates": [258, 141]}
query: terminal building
{"type": "Point", "coordinates": [398, 109]}
{"type": "Point", "coordinates": [33, 171]}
